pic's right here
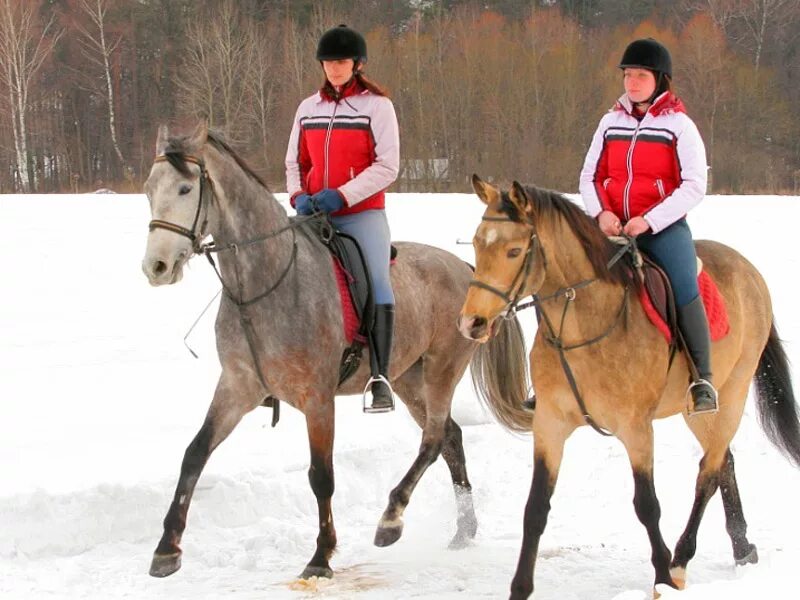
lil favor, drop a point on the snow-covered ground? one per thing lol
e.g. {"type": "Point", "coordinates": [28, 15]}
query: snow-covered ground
{"type": "Point", "coordinates": [99, 398]}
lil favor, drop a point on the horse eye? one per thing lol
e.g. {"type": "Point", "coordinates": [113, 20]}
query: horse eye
{"type": "Point", "coordinates": [514, 252]}
{"type": "Point", "coordinates": [185, 189]}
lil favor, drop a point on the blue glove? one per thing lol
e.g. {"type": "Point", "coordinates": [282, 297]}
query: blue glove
{"type": "Point", "coordinates": [328, 200]}
{"type": "Point", "coordinates": [303, 204]}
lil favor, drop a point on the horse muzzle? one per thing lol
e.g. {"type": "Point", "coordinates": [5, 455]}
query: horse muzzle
{"type": "Point", "coordinates": [163, 271]}
{"type": "Point", "coordinates": [476, 328]}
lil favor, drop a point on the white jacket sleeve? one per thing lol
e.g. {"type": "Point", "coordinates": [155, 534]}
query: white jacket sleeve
{"type": "Point", "coordinates": [589, 173]}
{"type": "Point", "coordinates": [694, 178]}
{"type": "Point", "coordinates": [383, 171]}
{"type": "Point", "coordinates": [293, 183]}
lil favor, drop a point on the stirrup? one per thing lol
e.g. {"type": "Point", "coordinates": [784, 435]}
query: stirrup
{"type": "Point", "coordinates": [690, 398]}
{"type": "Point", "coordinates": [372, 408]}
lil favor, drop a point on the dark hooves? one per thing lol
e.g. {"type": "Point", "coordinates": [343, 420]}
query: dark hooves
{"type": "Point", "coordinates": [164, 565]}
{"type": "Point", "coordinates": [750, 558]}
{"type": "Point", "coordinates": [386, 536]}
{"type": "Point", "coordinates": [310, 572]}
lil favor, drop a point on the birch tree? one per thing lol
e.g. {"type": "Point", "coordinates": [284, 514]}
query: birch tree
{"type": "Point", "coordinates": [97, 48]}
{"type": "Point", "coordinates": [24, 46]}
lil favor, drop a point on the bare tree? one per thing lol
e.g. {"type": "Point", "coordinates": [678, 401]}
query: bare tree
{"type": "Point", "coordinates": [215, 69]}
{"type": "Point", "coordinates": [24, 46]}
{"type": "Point", "coordinates": [98, 49]}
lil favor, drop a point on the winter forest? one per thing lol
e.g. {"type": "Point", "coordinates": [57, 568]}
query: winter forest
{"type": "Point", "coordinates": [511, 89]}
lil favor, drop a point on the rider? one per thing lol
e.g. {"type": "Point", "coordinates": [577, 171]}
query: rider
{"type": "Point", "coordinates": [344, 151]}
{"type": "Point", "coordinates": [645, 169]}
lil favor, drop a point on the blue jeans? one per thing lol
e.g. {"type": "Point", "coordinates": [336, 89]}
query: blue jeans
{"type": "Point", "coordinates": [673, 250]}
{"type": "Point", "coordinates": [370, 228]}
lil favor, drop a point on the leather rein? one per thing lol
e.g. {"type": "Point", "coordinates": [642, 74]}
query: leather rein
{"type": "Point", "coordinates": [553, 338]}
{"type": "Point", "coordinates": [208, 249]}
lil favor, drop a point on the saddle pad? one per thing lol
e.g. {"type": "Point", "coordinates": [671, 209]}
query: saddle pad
{"type": "Point", "coordinates": [350, 319]}
{"type": "Point", "coordinates": [712, 300]}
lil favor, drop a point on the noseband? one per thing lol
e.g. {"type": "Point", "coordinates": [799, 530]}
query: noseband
{"type": "Point", "coordinates": [193, 234]}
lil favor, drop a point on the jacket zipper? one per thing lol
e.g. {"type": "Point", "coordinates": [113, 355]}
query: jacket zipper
{"type": "Point", "coordinates": [629, 164]}
{"type": "Point", "coordinates": [660, 186]}
{"type": "Point", "coordinates": [327, 144]}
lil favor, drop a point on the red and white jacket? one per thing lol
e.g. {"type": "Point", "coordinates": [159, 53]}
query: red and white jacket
{"type": "Point", "coordinates": [352, 145]}
{"type": "Point", "coordinates": [654, 167]}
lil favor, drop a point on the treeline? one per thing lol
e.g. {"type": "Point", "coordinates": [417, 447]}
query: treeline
{"type": "Point", "coordinates": [510, 89]}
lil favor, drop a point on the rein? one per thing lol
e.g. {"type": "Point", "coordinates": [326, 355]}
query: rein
{"type": "Point", "coordinates": [569, 294]}
{"type": "Point", "coordinates": [211, 248]}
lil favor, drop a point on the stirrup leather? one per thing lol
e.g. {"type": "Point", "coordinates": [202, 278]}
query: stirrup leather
{"type": "Point", "coordinates": [378, 409]}
{"type": "Point", "coordinates": [690, 399]}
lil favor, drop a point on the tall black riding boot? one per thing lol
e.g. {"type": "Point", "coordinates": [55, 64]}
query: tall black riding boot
{"type": "Point", "coordinates": [694, 327]}
{"type": "Point", "coordinates": [382, 397]}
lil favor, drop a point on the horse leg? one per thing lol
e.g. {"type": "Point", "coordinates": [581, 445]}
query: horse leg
{"type": "Point", "coordinates": [706, 486]}
{"type": "Point", "coordinates": [716, 470]}
{"type": "Point", "coordinates": [743, 551]}
{"type": "Point", "coordinates": [224, 414]}
{"type": "Point", "coordinates": [436, 412]}
{"type": "Point", "coordinates": [453, 454]}
{"type": "Point", "coordinates": [638, 440]}
{"type": "Point", "coordinates": [320, 425]}
{"type": "Point", "coordinates": [549, 436]}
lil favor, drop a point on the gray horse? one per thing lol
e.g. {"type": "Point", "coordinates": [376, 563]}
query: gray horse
{"type": "Point", "coordinates": [280, 334]}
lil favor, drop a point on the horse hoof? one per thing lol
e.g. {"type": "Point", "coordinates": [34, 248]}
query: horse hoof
{"type": "Point", "coordinates": [386, 536]}
{"type": "Point", "coordinates": [750, 558]}
{"type": "Point", "coordinates": [310, 572]}
{"type": "Point", "coordinates": [164, 565]}
{"type": "Point", "coordinates": [678, 575]}
{"type": "Point", "coordinates": [460, 541]}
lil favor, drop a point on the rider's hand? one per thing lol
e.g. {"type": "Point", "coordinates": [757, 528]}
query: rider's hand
{"type": "Point", "coordinates": [609, 223]}
{"type": "Point", "coordinates": [303, 204]}
{"type": "Point", "coordinates": [328, 200]}
{"type": "Point", "coordinates": [636, 226]}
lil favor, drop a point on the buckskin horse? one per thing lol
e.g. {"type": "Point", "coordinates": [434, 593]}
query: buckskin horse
{"type": "Point", "coordinates": [279, 331]}
{"type": "Point", "coordinates": [597, 360]}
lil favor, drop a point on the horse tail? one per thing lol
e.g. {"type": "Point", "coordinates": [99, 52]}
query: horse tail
{"type": "Point", "coordinates": [777, 410]}
{"type": "Point", "coordinates": [499, 371]}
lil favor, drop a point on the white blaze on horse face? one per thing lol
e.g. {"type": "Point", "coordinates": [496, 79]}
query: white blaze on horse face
{"type": "Point", "coordinates": [167, 251]}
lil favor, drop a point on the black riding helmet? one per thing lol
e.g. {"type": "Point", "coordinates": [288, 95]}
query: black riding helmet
{"type": "Point", "coordinates": [647, 54]}
{"type": "Point", "coordinates": [342, 42]}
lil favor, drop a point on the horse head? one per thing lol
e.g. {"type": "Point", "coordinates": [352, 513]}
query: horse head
{"type": "Point", "coordinates": [508, 256]}
{"type": "Point", "coordinates": [179, 192]}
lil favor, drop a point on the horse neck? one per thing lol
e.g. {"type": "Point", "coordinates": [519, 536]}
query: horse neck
{"type": "Point", "coordinates": [247, 211]}
{"type": "Point", "coordinates": [567, 265]}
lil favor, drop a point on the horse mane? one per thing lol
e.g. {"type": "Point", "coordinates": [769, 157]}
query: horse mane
{"type": "Point", "coordinates": [553, 205]}
{"type": "Point", "coordinates": [178, 149]}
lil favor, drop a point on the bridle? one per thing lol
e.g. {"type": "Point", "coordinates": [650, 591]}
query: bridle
{"type": "Point", "coordinates": [193, 234]}
{"type": "Point", "coordinates": [514, 292]}
{"type": "Point", "coordinates": [208, 249]}
{"type": "Point", "coordinates": [569, 293]}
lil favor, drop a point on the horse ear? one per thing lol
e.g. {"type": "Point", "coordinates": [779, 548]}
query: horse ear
{"type": "Point", "coordinates": [199, 136]}
{"type": "Point", "coordinates": [162, 140]}
{"type": "Point", "coordinates": [520, 198]}
{"type": "Point", "coordinates": [486, 191]}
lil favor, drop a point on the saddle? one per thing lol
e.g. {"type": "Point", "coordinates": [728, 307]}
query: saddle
{"type": "Point", "coordinates": [355, 292]}
{"type": "Point", "coordinates": [658, 301]}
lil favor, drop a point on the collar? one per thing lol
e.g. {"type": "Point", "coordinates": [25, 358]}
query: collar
{"type": "Point", "coordinates": [329, 94]}
{"type": "Point", "coordinates": [666, 103]}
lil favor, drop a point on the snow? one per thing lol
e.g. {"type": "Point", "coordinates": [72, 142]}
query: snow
{"type": "Point", "coordinates": [99, 398]}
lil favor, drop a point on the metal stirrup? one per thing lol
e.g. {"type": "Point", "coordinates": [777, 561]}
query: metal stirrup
{"type": "Point", "coordinates": [371, 409]}
{"type": "Point", "coordinates": [689, 397]}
